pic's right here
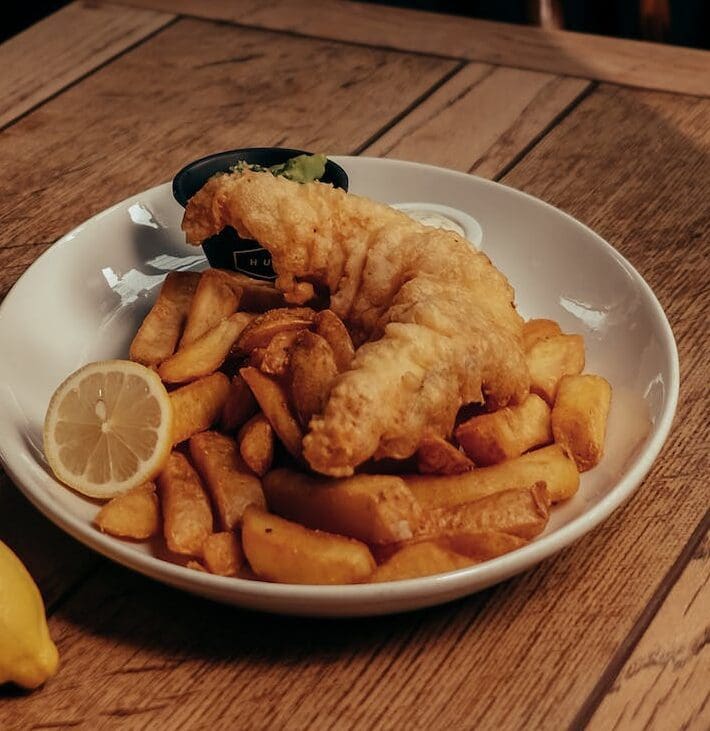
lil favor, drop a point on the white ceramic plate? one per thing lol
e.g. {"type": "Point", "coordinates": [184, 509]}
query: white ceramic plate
{"type": "Point", "coordinates": [84, 298]}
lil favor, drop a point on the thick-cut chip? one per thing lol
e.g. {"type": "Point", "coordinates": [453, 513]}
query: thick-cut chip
{"type": "Point", "coordinates": [491, 438]}
{"type": "Point", "coordinates": [376, 509]}
{"type": "Point", "coordinates": [330, 327]}
{"type": "Point", "coordinates": [286, 552]}
{"type": "Point", "coordinates": [256, 295]}
{"type": "Point", "coordinates": [205, 354]}
{"type": "Point", "coordinates": [187, 515]}
{"type": "Point", "coordinates": [159, 333]}
{"type": "Point", "coordinates": [536, 330]}
{"type": "Point", "coordinates": [579, 417]}
{"type": "Point", "coordinates": [550, 359]}
{"type": "Point", "coordinates": [198, 405]}
{"type": "Point", "coordinates": [483, 545]}
{"type": "Point", "coordinates": [261, 329]}
{"type": "Point", "coordinates": [134, 514]}
{"type": "Point", "coordinates": [477, 545]}
{"type": "Point", "coordinates": [436, 456]}
{"type": "Point", "coordinates": [313, 370]}
{"type": "Point", "coordinates": [223, 554]}
{"type": "Point", "coordinates": [275, 357]}
{"type": "Point", "coordinates": [214, 300]}
{"type": "Point", "coordinates": [523, 513]}
{"type": "Point", "coordinates": [552, 465]}
{"type": "Point", "coordinates": [420, 559]}
{"type": "Point", "coordinates": [274, 403]}
{"type": "Point", "coordinates": [256, 444]}
{"type": "Point", "coordinates": [240, 405]}
{"type": "Point", "coordinates": [229, 481]}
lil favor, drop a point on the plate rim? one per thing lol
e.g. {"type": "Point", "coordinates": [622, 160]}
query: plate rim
{"type": "Point", "coordinates": [328, 600]}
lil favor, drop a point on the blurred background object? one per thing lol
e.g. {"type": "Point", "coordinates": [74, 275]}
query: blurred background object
{"type": "Point", "coordinates": [15, 16]}
{"type": "Point", "coordinates": [680, 22]}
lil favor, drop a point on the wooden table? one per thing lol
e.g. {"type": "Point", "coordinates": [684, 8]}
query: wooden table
{"type": "Point", "coordinates": [105, 99]}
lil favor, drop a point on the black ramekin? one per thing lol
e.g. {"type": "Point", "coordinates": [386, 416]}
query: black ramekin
{"type": "Point", "coordinates": [227, 250]}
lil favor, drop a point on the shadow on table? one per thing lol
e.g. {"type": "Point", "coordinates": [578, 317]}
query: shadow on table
{"type": "Point", "coordinates": [167, 622]}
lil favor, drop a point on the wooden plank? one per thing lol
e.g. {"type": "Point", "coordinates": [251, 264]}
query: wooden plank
{"type": "Point", "coordinates": [505, 110]}
{"type": "Point", "coordinates": [62, 48]}
{"type": "Point", "coordinates": [524, 654]}
{"type": "Point", "coordinates": [630, 63]}
{"type": "Point", "coordinates": [664, 684]}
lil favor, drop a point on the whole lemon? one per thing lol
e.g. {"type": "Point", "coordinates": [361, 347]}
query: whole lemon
{"type": "Point", "coordinates": [27, 654]}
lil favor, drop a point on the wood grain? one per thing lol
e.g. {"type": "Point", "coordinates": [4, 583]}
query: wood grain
{"type": "Point", "coordinates": [195, 88]}
{"type": "Point", "coordinates": [60, 49]}
{"type": "Point", "coordinates": [481, 119]}
{"type": "Point", "coordinates": [631, 63]}
{"type": "Point", "coordinates": [524, 654]}
{"type": "Point", "coordinates": [664, 684]}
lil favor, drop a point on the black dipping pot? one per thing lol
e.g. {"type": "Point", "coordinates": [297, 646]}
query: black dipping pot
{"type": "Point", "coordinates": [227, 250]}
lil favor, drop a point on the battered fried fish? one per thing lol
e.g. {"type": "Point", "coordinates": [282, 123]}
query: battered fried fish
{"type": "Point", "coordinates": [434, 319]}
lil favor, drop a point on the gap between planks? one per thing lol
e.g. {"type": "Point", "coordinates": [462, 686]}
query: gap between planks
{"type": "Point", "coordinates": [658, 686]}
{"type": "Point", "coordinates": [645, 618]}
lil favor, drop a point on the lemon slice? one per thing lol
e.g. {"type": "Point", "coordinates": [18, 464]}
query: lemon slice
{"type": "Point", "coordinates": [108, 428]}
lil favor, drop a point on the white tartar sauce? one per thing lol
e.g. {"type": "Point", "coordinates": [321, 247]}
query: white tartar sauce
{"type": "Point", "coordinates": [438, 215]}
{"type": "Point", "coordinates": [435, 220]}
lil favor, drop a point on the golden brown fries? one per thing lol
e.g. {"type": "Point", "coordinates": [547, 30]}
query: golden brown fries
{"type": "Point", "coordinates": [482, 546]}
{"type": "Point", "coordinates": [275, 357]}
{"type": "Point", "coordinates": [187, 515]}
{"type": "Point", "coordinates": [158, 335]}
{"type": "Point", "coordinates": [536, 330]}
{"type": "Point", "coordinates": [198, 405]}
{"type": "Point", "coordinates": [240, 405]}
{"type": "Point", "coordinates": [229, 481]}
{"type": "Point", "coordinates": [376, 509]}
{"type": "Point", "coordinates": [476, 497]}
{"type": "Point", "coordinates": [579, 417]}
{"type": "Point", "coordinates": [552, 465]}
{"type": "Point", "coordinates": [256, 444]}
{"type": "Point", "coordinates": [205, 354]}
{"type": "Point", "coordinates": [133, 514]}
{"type": "Point", "coordinates": [550, 359]}
{"type": "Point", "coordinates": [313, 370]}
{"type": "Point", "coordinates": [274, 403]}
{"type": "Point", "coordinates": [523, 513]}
{"type": "Point", "coordinates": [330, 327]}
{"type": "Point", "coordinates": [279, 550]}
{"type": "Point", "coordinates": [213, 300]}
{"type": "Point", "coordinates": [420, 559]}
{"type": "Point", "coordinates": [223, 554]}
{"type": "Point", "coordinates": [491, 438]}
{"type": "Point", "coordinates": [260, 331]}
{"type": "Point", "coordinates": [436, 456]}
